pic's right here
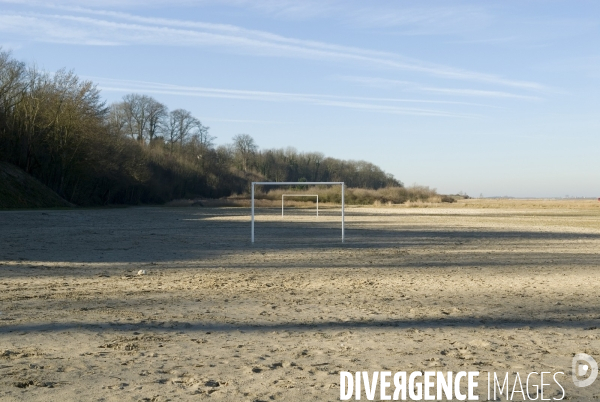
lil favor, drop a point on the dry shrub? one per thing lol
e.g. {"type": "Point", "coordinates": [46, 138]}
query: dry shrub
{"type": "Point", "coordinates": [358, 196]}
{"type": "Point", "coordinates": [447, 198]}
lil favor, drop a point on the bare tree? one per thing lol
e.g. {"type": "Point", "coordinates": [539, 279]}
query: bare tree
{"type": "Point", "coordinates": [203, 142]}
{"type": "Point", "coordinates": [116, 119]}
{"type": "Point", "coordinates": [315, 158]}
{"type": "Point", "coordinates": [201, 132]}
{"type": "Point", "coordinates": [245, 148]}
{"type": "Point", "coordinates": [179, 127]}
{"type": "Point", "coordinates": [143, 116]}
{"type": "Point", "coordinates": [13, 83]}
{"type": "Point", "coordinates": [157, 113]}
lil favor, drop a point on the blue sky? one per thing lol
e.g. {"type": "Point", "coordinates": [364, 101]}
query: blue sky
{"type": "Point", "coordinates": [494, 98]}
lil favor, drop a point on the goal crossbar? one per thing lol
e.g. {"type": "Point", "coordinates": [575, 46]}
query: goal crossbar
{"type": "Point", "coordinates": [300, 195]}
{"type": "Point", "coordinates": [292, 183]}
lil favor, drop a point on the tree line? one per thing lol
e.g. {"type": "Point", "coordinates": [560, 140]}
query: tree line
{"type": "Point", "coordinates": [57, 128]}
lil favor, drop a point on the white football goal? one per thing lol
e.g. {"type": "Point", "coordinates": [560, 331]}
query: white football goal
{"type": "Point", "coordinates": [300, 195]}
{"type": "Point", "coordinates": [287, 183]}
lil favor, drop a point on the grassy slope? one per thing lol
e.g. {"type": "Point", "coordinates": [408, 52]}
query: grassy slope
{"type": "Point", "coordinates": [20, 190]}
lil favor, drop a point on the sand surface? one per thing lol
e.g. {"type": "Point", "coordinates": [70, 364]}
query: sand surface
{"type": "Point", "coordinates": [489, 287]}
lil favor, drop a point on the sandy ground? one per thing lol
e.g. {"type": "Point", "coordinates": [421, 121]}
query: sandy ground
{"type": "Point", "coordinates": [478, 286]}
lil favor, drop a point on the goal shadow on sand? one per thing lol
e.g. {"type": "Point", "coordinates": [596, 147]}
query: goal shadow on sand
{"type": "Point", "coordinates": [156, 235]}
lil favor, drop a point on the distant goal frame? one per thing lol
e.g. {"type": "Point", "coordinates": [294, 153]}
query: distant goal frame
{"type": "Point", "coordinates": [300, 195]}
{"type": "Point", "coordinates": [293, 183]}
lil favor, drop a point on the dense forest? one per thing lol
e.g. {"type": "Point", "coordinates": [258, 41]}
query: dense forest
{"type": "Point", "coordinates": [57, 128]}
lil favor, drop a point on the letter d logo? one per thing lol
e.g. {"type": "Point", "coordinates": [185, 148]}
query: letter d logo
{"type": "Point", "coordinates": [584, 365]}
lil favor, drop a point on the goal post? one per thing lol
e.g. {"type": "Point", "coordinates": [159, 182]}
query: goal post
{"type": "Point", "coordinates": [287, 183]}
{"type": "Point", "coordinates": [300, 195]}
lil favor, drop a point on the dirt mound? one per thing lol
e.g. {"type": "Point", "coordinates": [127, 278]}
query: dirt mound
{"type": "Point", "coordinates": [20, 190]}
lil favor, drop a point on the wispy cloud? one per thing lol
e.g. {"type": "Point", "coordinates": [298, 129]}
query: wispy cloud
{"type": "Point", "coordinates": [103, 27]}
{"type": "Point", "coordinates": [100, 3]}
{"type": "Point", "coordinates": [277, 8]}
{"type": "Point", "coordinates": [381, 105]}
{"type": "Point", "coordinates": [416, 87]}
{"type": "Point", "coordinates": [478, 93]}
{"type": "Point", "coordinates": [421, 20]}
{"type": "Point", "coordinates": [376, 82]}
{"type": "Point", "coordinates": [490, 40]}
{"type": "Point", "coordinates": [292, 9]}
{"type": "Point", "coordinates": [410, 18]}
